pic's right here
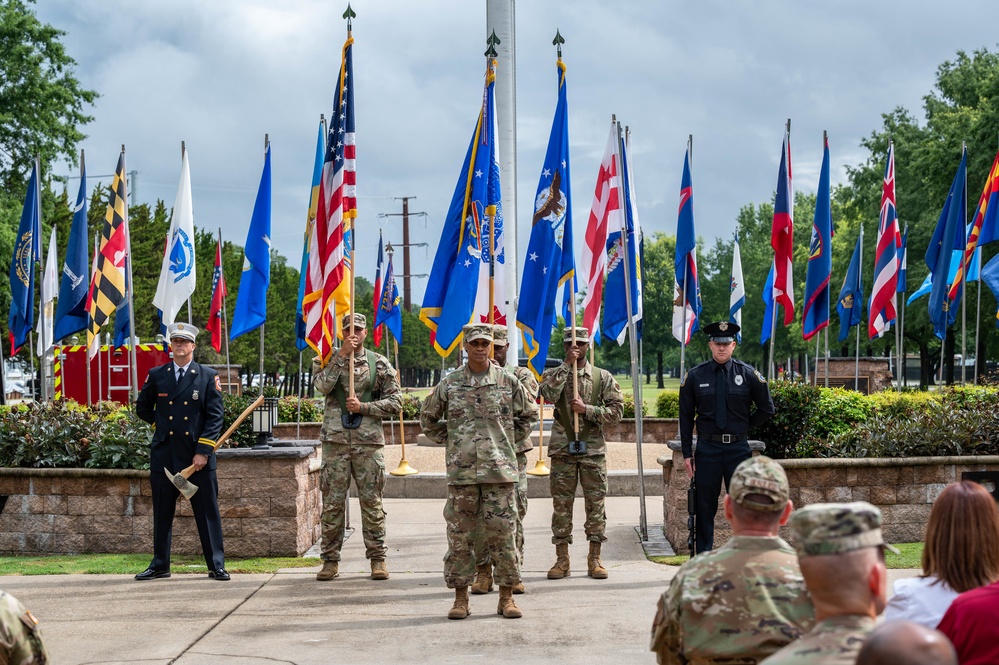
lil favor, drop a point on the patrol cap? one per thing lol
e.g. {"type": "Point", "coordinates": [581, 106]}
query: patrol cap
{"type": "Point", "coordinates": [182, 330]}
{"type": "Point", "coordinates": [837, 528]}
{"type": "Point", "coordinates": [474, 331]}
{"type": "Point", "coordinates": [582, 335]}
{"type": "Point", "coordinates": [500, 337]}
{"type": "Point", "coordinates": [760, 477]}
{"type": "Point", "coordinates": [360, 321]}
{"type": "Point", "coordinates": [722, 332]}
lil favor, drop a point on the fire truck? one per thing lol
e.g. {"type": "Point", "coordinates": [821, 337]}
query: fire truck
{"type": "Point", "coordinates": [110, 371]}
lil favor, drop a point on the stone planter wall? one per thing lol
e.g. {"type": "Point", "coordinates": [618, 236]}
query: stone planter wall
{"type": "Point", "coordinates": [654, 430]}
{"type": "Point", "coordinates": [270, 504]}
{"type": "Point", "coordinates": [904, 490]}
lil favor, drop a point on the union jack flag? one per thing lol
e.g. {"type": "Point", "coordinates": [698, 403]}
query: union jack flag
{"type": "Point", "coordinates": [882, 312]}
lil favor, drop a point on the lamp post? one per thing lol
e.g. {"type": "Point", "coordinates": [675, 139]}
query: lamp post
{"type": "Point", "coordinates": [264, 417]}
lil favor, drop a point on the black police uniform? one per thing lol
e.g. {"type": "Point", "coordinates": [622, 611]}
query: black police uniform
{"type": "Point", "coordinates": [719, 449]}
{"type": "Point", "coordinates": [188, 420]}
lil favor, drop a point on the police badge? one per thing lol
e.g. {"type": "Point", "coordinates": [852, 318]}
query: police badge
{"type": "Point", "coordinates": [194, 395]}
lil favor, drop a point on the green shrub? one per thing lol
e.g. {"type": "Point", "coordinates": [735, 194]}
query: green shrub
{"type": "Point", "coordinates": [629, 407]}
{"type": "Point", "coordinates": [795, 405]}
{"type": "Point", "coordinates": [411, 405]}
{"type": "Point", "coordinates": [312, 410]}
{"type": "Point", "coordinates": [837, 411]}
{"type": "Point", "coordinates": [668, 404]}
{"type": "Point", "coordinates": [234, 405]}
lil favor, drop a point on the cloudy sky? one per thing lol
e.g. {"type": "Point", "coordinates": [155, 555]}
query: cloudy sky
{"type": "Point", "coordinates": [221, 74]}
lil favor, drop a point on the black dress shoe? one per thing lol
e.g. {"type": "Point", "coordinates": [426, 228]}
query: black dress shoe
{"type": "Point", "coordinates": [152, 574]}
{"type": "Point", "coordinates": [221, 575]}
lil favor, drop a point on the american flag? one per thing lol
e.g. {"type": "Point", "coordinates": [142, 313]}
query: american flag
{"type": "Point", "coordinates": [606, 201]}
{"type": "Point", "coordinates": [883, 296]}
{"type": "Point", "coordinates": [782, 233]}
{"type": "Point", "coordinates": [328, 279]}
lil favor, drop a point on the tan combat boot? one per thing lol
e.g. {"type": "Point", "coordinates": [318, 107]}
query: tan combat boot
{"type": "Point", "coordinates": [518, 588]}
{"type": "Point", "coordinates": [506, 606]}
{"type": "Point", "coordinates": [483, 579]}
{"type": "Point", "coordinates": [378, 570]}
{"type": "Point", "coordinates": [331, 570]}
{"type": "Point", "coordinates": [593, 567]}
{"type": "Point", "coordinates": [460, 609]}
{"type": "Point", "coordinates": [561, 567]}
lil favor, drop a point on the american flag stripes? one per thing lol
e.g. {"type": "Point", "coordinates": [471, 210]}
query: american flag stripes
{"type": "Point", "coordinates": [606, 202]}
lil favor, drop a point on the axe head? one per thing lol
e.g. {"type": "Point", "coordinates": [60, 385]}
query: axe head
{"type": "Point", "coordinates": [183, 485]}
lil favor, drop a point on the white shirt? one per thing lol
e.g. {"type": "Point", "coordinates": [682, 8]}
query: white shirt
{"type": "Point", "coordinates": [177, 368]}
{"type": "Point", "coordinates": [921, 599]}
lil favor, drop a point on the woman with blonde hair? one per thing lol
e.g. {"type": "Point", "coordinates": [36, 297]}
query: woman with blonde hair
{"type": "Point", "coordinates": [961, 552]}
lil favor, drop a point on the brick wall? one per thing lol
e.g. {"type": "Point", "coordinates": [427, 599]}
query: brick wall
{"type": "Point", "coordinates": [270, 504]}
{"type": "Point", "coordinates": [904, 490]}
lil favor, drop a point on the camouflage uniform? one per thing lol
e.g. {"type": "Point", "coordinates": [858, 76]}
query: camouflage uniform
{"type": "Point", "coordinates": [530, 384]}
{"type": "Point", "coordinates": [823, 529]}
{"type": "Point", "coordinates": [590, 469]}
{"type": "Point", "coordinates": [20, 638]}
{"type": "Point", "coordinates": [482, 420]}
{"type": "Point", "coordinates": [355, 452]}
{"type": "Point", "coordinates": [741, 602]}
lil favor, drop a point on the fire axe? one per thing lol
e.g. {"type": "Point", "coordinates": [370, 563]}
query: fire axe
{"type": "Point", "coordinates": [180, 480]}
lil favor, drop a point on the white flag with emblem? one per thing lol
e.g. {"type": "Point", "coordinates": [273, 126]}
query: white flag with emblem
{"type": "Point", "coordinates": [49, 290]}
{"type": "Point", "coordinates": [177, 275]}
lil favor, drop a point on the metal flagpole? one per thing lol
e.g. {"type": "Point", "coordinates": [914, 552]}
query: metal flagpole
{"type": "Point", "coordinates": [978, 322]}
{"type": "Point", "coordinates": [225, 325]}
{"type": "Point", "coordinates": [964, 301]}
{"type": "Point", "coordinates": [404, 469]}
{"type": "Point", "coordinates": [31, 362]}
{"type": "Point", "coordinates": [901, 347]}
{"type": "Point", "coordinates": [827, 355]}
{"type": "Point", "coordinates": [860, 280]}
{"type": "Point", "coordinates": [633, 342]}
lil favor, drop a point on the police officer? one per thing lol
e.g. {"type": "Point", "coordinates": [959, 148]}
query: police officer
{"type": "Point", "coordinates": [20, 639]}
{"type": "Point", "coordinates": [582, 461]}
{"type": "Point", "coordinates": [841, 551]}
{"type": "Point", "coordinates": [483, 566]}
{"type": "Point", "coordinates": [717, 396]}
{"type": "Point", "coordinates": [745, 600]}
{"type": "Point", "coordinates": [481, 413]}
{"type": "Point", "coordinates": [353, 445]}
{"type": "Point", "coordinates": [183, 401]}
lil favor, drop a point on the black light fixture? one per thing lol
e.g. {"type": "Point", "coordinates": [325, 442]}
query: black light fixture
{"type": "Point", "coordinates": [265, 417]}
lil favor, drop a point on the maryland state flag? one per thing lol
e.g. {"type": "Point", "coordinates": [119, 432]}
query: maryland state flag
{"type": "Point", "coordinates": [108, 283]}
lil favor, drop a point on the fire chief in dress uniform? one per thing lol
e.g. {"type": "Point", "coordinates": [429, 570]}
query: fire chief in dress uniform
{"type": "Point", "coordinates": [183, 401]}
{"type": "Point", "coordinates": [717, 396]}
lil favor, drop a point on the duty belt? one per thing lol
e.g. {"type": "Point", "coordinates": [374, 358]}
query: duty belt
{"type": "Point", "coordinates": [723, 438]}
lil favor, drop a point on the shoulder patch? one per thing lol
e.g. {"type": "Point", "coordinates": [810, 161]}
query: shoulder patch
{"type": "Point", "coordinates": [684, 379]}
{"type": "Point", "coordinates": [218, 383]}
{"type": "Point", "coordinates": [759, 376]}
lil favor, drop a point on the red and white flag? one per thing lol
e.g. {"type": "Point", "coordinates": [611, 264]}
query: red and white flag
{"type": "Point", "coordinates": [782, 234]}
{"type": "Point", "coordinates": [606, 204]}
{"type": "Point", "coordinates": [219, 291]}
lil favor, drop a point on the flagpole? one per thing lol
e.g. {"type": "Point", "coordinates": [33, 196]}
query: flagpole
{"type": "Point", "coordinates": [860, 280]}
{"type": "Point", "coordinates": [964, 297]}
{"type": "Point", "coordinates": [225, 326]}
{"type": "Point", "coordinates": [404, 469]}
{"type": "Point", "coordinates": [827, 355]}
{"type": "Point", "coordinates": [633, 342]}
{"type": "Point", "coordinates": [905, 259]}
{"type": "Point", "coordinates": [978, 320]}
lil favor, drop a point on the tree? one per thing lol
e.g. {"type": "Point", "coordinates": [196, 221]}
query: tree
{"type": "Point", "coordinates": [41, 101]}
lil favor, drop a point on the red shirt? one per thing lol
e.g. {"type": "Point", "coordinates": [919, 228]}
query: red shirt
{"type": "Point", "coordinates": [971, 623]}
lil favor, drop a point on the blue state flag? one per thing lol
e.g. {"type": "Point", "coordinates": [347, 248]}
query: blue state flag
{"type": "Point", "coordinates": [819, 271]}
{"type": "Point", "coordinates": [947, 236]}
{"type": "Point", "coordinates": [974, 268]}
{"type": "Point", "coordinates": [463, 251]}
{"type": "Point", "coordinates": [615, 316]}
{"type": "Point", "coordinates": [851, 297]}
{"type": "Point", "coordinates": [549, 262]}
{"type": "Point", "coordinates": [768, 305]}
{"type": "Point", "coordinates": [687, 308]}
{"type": "Point", "coordinates": [27, 252]}
{"type": "Point", "coordinates": [990, 275]}
{"type": "Point", "coordinates": [389, 311]}
{"type": "Point", "coordinates": [310, 223]}
{"type": "Point", "coordinates": [903, 257]}
{"type": "Point", "coordinates": [251, 300]}
{"type": "Point", "coordinates": [71, 310]}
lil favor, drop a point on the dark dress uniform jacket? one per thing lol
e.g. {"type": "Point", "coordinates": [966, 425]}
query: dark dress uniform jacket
{"type": "Point", "coordinates": [187, 416]}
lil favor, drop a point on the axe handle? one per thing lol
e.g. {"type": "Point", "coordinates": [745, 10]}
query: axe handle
{"type": "Point", "coordinates": [232, 428]}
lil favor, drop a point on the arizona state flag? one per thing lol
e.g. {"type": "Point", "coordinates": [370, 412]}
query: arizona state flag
{"type": "Point", "coordinates": [108, 282]}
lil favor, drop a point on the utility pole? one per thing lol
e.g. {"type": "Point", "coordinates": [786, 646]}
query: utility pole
{"type": "Point", "coordinates": [407, 301]}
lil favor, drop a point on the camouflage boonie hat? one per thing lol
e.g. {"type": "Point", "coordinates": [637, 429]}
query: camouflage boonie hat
{"type": "Point", "coordinates": [756, 477]}
{"type": "Point", "coordinates": [474, 331]}
{"type": "Point", "coordinates": [582, 334]}
{"type": "Point", "coordinates": [500, 336]}
{"type": "Point", "coordinates": [360, 321]}
{"type": "Point", "coordinates": [837, 528]}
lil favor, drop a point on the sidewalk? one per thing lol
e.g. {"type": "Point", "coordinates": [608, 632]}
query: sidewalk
{"type": "Point", "coordinates": [289, 617]}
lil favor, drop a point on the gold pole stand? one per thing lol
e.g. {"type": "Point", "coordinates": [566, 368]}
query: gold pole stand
{"type": "Point", "coordinates": [540, 469]}
{"type": "Point", "coordinates": [404, 469]}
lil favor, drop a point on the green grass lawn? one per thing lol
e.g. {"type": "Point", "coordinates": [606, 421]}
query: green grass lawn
{"type": "Point", "coordinates": [130, 564]}
{"type": "Point", "coordinates": [911, 555]}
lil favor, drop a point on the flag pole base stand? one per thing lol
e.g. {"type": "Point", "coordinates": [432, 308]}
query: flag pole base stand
{"type": "Point", "coordinates": [540, 469]}
{"type": "Point", "coordinates": [404, 469]}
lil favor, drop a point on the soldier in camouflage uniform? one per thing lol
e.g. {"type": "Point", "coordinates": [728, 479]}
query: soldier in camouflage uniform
{"type": "Point", "coordinates": [482, 414]}
{"type": "Point", "coordinates": [744, 601]}
{"type": "Point", "coordinates": [596, 408]}
{"type": "Point", "coordinates": [356, 452]}
{"type": "Point", "coordinates": [20, 639]}
{"type": "Point", "coordinates": [841, 554]}
{"type": "Point", "coordinates": [483, 567]}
